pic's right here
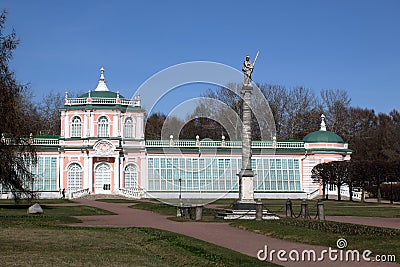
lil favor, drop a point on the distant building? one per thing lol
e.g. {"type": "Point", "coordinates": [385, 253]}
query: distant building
{"type": "Point", "coordinates": [102, 150]}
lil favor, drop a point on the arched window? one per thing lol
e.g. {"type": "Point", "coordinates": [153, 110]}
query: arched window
{"type": "Point", "coordinates": [131, 176]}
{"type": "Point", "coordinates": [128, 128]}
{"type": "Point", "coordinates": [76, 127]}
{"type": "Point", "coordinates": [74, 176]}
{"type": "Point", "coordinates": [103, 127]}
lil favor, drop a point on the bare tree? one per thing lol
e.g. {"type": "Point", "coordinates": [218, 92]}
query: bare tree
{"type": "Point", "coordinates": [16, 153]}
{"type": "Point", "coordinates": [49, 110]}
{"type": "Point", "coordinates": [300, 104]}
{"type": "Point", "coordinates": [336, 104]}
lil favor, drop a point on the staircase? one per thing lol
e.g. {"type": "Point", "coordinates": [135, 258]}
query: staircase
{"type": "Point", "coordinates": [103, 196]}
{"type": "Point", "coordinates": [245, 215]}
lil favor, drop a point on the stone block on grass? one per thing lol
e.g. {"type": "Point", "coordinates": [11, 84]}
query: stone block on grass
{"type": "Point", "coordinates": [35, 209]}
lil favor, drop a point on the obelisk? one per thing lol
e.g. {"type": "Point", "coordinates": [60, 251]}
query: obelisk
{"type": "Point", "coordinates": [246, 174]}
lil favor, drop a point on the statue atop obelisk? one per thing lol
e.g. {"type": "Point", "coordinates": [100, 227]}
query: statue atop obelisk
{"type": "Point", "coordinates": [247, 69]}
{"type": "Point", "coordinates": [246, 174]}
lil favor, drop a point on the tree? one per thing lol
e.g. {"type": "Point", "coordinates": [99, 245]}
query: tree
{"type": "Point", "coordinates": [16, 152]}
{"type": "Point", "coordinates": [301, 108]}
{"type": "Point", "coordinates": [359, 175]}
{"type": "Point", "coordinates": [334, 172]}
{"type": "Point", "coordinates": [277, 97]}
{"type": "Point", "coordinates": [319, 175]}
{"type": "Point", "coordinates": [49, 110]}
{"type": "Point", "coordinates": [154, 125]}
{"type": "Point", "coordinates": [340, 171]}
{"type": "Point", "coordinates": [336, 103]}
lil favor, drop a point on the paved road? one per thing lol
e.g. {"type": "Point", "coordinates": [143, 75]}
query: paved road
{"type": "Point", "coordinates": [221, 234]}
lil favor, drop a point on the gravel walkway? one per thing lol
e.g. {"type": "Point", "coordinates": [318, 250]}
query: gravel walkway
{"type": "Point", "coordinates": [221, 234]}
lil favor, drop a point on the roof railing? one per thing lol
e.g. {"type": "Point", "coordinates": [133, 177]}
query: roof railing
{"type": "Point", "coordinates": [101, 101]}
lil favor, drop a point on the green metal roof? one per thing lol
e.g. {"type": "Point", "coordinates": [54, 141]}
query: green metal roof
{"type": "Point", "coordinates": [101, 94]}
{"type": "Point", "coordinates": [322, 137]}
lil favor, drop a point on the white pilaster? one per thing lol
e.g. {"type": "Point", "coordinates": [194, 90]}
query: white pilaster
{"type": "Point", "coordinates": [115, 125]}
{"type": "Point", "coordinates": [86, 172]}
{"type": "Point", "coordinates": [62, 123]}
{"type": "Point", "coordinates": [91, 125]}
{"type": "Point", "coordinates": [60, 184]}
{"type": "Point", "coordinates": [116, 174]}
{"type": "Point", "coordinates": [121, 129]}
{"type": "Point", "coordinates": [90, 173]}
{"type": "Point", "coordinates": [66, 126]}
{"type": "Point", "coordinates": [142, 173]}
{"type": "Point", "coordinates": [85, 125]}
{"type": "Point", "coordinates": [121, 172]}
{"type": "Point", "coordinates": [140, 131]}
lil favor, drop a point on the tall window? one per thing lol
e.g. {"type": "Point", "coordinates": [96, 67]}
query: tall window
{"type": "Point", "coordinates": [74, 176]}
{"type": "Point", "coordinates": [103, 127]}
{"type": "Point", "coordinates": [130, 176]}
{"type": "Point", "coordinates": [44, 173]}
{"type": "Point", "coordinates": [128, 128]}
{"type": "Point", "coordinates": [76, 127]}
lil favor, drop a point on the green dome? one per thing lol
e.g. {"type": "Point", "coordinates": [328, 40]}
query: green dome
{"type": "Point", "coordinates": [101, 94]}
{"type": "Point", "coordinates": [322, 137]}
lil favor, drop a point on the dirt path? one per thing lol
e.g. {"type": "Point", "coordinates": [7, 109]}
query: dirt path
{"type": "Point", "coordinates": [221, 234]}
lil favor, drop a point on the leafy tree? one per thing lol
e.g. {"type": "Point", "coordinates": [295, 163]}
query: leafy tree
{"type": "Point", "coordinates": [319, 175]}
{"type": "Point", "coordinates": [15, 123]}
{"type": "Point", "coordinates": [334, 172]}
{"type": "Point", "coordinates": [359, 175]}
{"type": "Point", "coordinates": [340, 171]}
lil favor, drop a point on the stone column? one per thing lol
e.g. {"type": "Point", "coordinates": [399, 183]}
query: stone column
{"type": "Point", "coordinates": [246, 175]}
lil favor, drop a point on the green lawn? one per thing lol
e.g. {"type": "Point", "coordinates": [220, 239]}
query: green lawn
{"type": "Point", "coordinates": [326, 233]}
{"type": "Point", "coordinates": [11, 214]}
{"type": "Point", "coordinates": [40, 201]}
{"type": "Point", "coordinates": [40, 240]}
{"type": "Point", "coordinates": [315, 232]}
{"type": "Point", "coordinates": [337, 208]}
{"type": "Point", "coordinates": [331, 207]}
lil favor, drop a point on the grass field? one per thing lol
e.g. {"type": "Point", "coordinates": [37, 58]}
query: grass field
{"type": "Point", "coordinates": [40, 201]}
{"type": "Point", "coordinates": [378, 240]}
{"type": "Point", "coordinates": [339, 208]}
{"type": "Point", "coordinates": [327, 233]}
{"type": "Point", "coordinates": [331, 207]}
{"type": "Point", "coordinates": [40, 240]}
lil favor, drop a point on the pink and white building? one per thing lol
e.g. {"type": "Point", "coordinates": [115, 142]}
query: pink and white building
{"type": "Point", "coordinates": [102, 150]}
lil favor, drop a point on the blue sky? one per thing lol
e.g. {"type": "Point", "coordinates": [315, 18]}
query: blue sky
{"type": "Point", "coordinates": [350, 45]}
